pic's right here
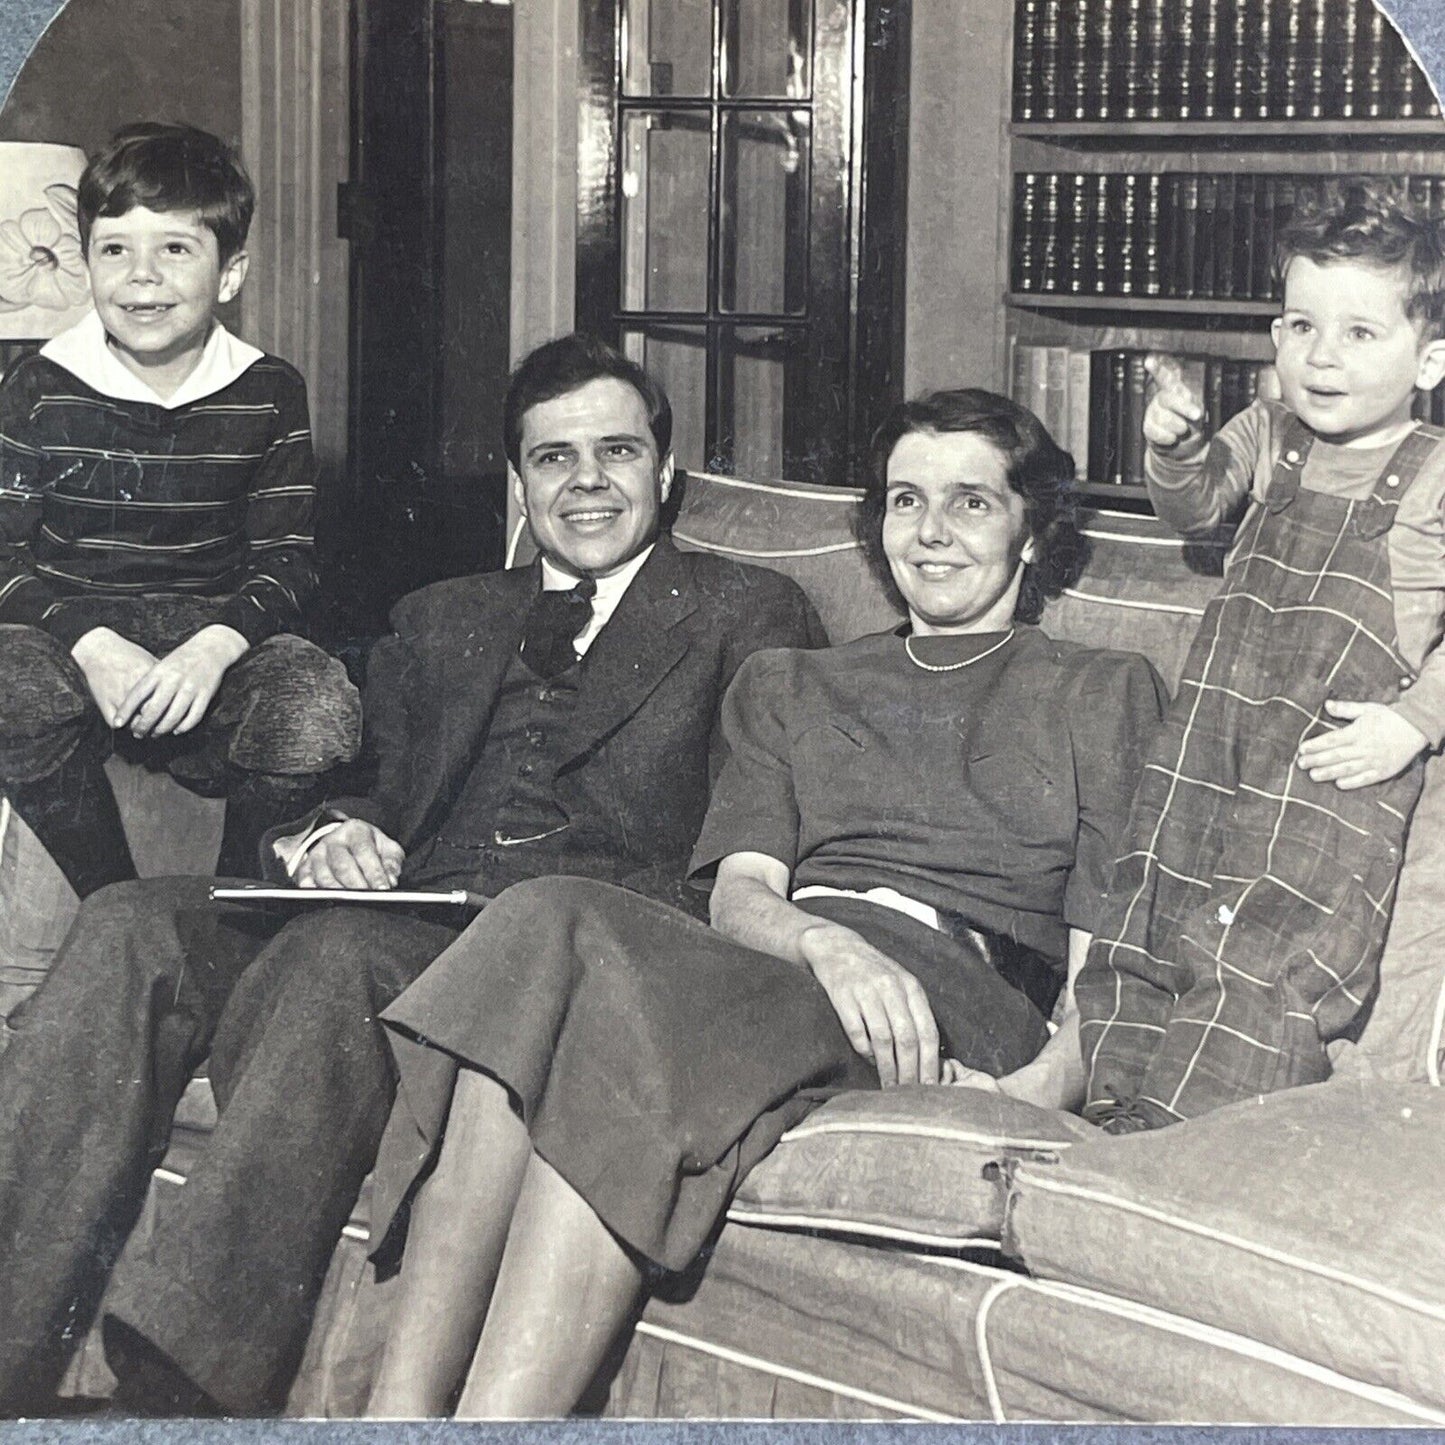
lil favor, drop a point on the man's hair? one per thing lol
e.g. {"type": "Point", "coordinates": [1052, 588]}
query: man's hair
{"type": "Point", "coordinates": [1373, 220]}
{"type": "Point", "coordinates": [1039, 470]}
{"type": "Point", "coordinates": [169, 168]}
{"type": "Point", "coordinates": [558, 367]}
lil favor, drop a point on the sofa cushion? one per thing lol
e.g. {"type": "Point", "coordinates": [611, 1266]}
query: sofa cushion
{"type": "Point", "coordinates": [903, 1164]}
{"type": "Point", "coordinates": [1308, 1220]}
{"type": "Point", "coordinates": [789, 1326]}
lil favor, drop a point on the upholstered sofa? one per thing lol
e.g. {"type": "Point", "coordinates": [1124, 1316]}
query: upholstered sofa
{"type": "Point", "coordinates": [948, 1254]}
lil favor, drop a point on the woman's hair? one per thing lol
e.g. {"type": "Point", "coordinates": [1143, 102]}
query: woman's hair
{"type": "Point", "coordinates": [1040, 471]}
{"type": "Point", "coordinates": [1376, 221]}
{"type": "Point", "coordinates": [168, 168]}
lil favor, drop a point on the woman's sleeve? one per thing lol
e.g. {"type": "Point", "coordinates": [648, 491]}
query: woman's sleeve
{"type": "Point", "coordinates": [1115, 711]}
{"type": "Point", "coordinates": [754, 808]}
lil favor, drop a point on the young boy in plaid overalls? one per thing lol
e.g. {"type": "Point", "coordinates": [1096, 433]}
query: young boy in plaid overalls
{"type": "Point", "coordinates": [157, 487]}
{"type": "Point", "coordinates": [1246, 918]}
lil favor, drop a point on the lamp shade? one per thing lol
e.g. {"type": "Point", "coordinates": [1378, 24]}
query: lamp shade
{"type": "Point", "coordinates": [43, 282]}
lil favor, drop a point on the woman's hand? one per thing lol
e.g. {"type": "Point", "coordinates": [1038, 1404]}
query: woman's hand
{"type": "Point", "coordinates": [355, 855]}
{"type": "Point", "coordinates": [882, 1007]}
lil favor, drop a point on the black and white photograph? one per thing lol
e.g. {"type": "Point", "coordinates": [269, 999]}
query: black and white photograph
{"type": "Point", "coordinates": [722, 711]}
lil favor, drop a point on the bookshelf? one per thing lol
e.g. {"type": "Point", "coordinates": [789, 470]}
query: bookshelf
{"type": "Point", "coordinates": [1153, 148]}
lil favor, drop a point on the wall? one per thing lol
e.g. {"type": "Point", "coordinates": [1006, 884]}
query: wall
{"type": "Point", "coordinates": [102, 63]}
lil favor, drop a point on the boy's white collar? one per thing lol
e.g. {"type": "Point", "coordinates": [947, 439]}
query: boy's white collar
{"type": "Point", "coordinates": [84, 352]}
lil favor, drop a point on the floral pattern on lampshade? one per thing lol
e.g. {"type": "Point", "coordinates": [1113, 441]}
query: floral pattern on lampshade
{"type": "Point", "coordinates": [43, 283]}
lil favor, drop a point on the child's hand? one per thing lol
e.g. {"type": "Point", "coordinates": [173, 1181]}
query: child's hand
{"type": "Point", "coordinates": [1377, 744]}
{"type": "Point", "coordinates": [1174, 418]}
{"type": "Point", "coordinates": [112, 666]}
{"type": "Point", "coordinates": [174, 694]}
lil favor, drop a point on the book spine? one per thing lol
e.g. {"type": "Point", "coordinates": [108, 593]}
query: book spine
{"type": "Point", "coordinates": [1205, 58]}
{"type": "Point", "coordinates": [1187, 231]}
{"type": "Point", "coordinates": [1055, 415]}
{"type": "Point", "coordinates": [1261, 91]}
{"type": "Point", "coordinates": [1312, 64]}
{"type": "Point", "coordinates": [1136, 388]}
{"type": "Point", "coordinates": [1025, 67]}
{"type": "Point", "coordinates": [1050, 44]}
{"type": "Point", "coordinates": [1287, 81]}
{"type": "Point", "coordinates": [1079, 368]}
{"type": "Point", "coordinates": [1262, 247]}
{"type": "Point", "coordinates": [1150, 226]}
{"type": "Point", "coordinates": [1100, 236]}
{"type": "Point", "coordinates": [1213, 394]}
{"type": "Point", "coordinates": [1046, 248]}
{"type": "Point", "coordinates": [1074, 234]}
{"type": "Point", "coordinates": [1370, 87]}
{"type": "Point", "coordinates": [1025, 232]}
{"type": "Point", "coordinates": [1128, 261]}
{"type": "Point", "coordinates": [1019, 364]}
{"type": "Point", "coordinates": [1342, 64]}
{"type": "Point", "coordinates": [1107, 395]}
{"type": "Point", "coordinates": [1225, 237]}
{"type": "Point", "coordinates": [1205, 247]}
{"type": "Point", "coordinates": [1038, 399]}
{"type": "Point", "coordinates": [1103, 86]}
{"type": "Point", "coordinates": [1241, 45]}
{"type": "Point", "coordinates": [1245, 206]}
{"type": "Point", "coordinates": [1284, 198]}
{"type": "Point", "coordinates": [1078, 64]}
{"type": "Point", "coordinates": [1153, 60]}
{"type": "Point", "coordinates": [1129, 53]}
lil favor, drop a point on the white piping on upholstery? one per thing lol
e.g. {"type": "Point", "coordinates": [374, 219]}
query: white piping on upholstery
{"type": "Point", "coordinates": [1210, 1335]}
{"type": "Point", "coordinates": [786, 1372]}
{"type": "Point", "coordinates": [790, 489]}
{"type": "Point", "coordinates": [1137, 606]}
{"type": "Point", "coordinates": [980, 1340]}
{"type": "Point", "coordinates": [827, 1224]}
{"type": "Point", "coordinates": [169, 1175]}
{"type": "Point", "coordinates": [4, 822]}
{"type": "Point", "coordinates": [1142, 541]}
{"type": "Point", "coordinates": [515, 542]}
{"type": "Point", "coordinates": [1437, 1039]}
{"type": "Point", "coordinates": [919, 1131]}
{"type": "Point", "coordinates": [356, 1232]}
{"type": "Point", "coordinates": [1039, 1180]}
{"type": "Point", "coordinates": [745, 552]}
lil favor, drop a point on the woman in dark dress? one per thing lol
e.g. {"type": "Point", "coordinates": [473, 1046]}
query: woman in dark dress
{"type": "Point", "coordinates": [906, 849]}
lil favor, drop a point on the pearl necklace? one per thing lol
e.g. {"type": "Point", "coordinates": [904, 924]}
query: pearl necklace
{"type": "Point", "coordinates": [954, 666]}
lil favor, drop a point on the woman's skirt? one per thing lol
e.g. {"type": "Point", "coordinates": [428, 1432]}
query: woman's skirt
{"type": "Point", "coordinates": [653, 1060]}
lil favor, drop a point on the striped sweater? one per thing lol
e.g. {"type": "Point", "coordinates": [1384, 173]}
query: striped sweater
{"type": "Point", "coordinates": [105, 498]}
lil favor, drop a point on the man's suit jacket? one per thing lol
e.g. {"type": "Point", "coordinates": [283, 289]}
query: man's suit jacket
{"type": "Point", "coordinates": [644, 737]}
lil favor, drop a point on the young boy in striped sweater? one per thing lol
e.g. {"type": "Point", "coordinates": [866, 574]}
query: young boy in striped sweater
{"type": "Point", "coordinates": [157, 486]}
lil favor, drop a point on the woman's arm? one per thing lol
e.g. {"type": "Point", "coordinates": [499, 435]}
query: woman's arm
{"type": "Point", "coordinates": [881, 1006]}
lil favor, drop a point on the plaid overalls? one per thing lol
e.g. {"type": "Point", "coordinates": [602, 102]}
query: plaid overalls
{"type": "Point", "coordinates": [1245, 920]}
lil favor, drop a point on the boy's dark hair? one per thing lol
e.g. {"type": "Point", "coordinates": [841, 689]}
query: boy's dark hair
{"type": "Point", "coordinates": [167, 167]}
{"type": "Point", "coordinates": [1375, 220]}
{"type": "Point", "coordinates": [561, 366]}
{"type": "Point", "coordinates": [1039, 470]}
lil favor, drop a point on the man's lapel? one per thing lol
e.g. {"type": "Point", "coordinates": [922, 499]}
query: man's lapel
{"type": "Point", "coordinates": [637, 648]}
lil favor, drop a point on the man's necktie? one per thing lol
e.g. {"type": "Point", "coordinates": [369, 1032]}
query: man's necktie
{"type": "Point", "coordinates": [553, 625]}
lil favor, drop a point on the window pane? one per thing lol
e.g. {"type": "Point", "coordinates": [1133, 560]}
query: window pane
{"type": "Point", "coordinates": [676, 356]}
{"type": "Point", "coordinates": [754, 385]}
{"type": "Point", "coordinates": [767, 47]}
{"type": "Point", "coordinates": [667, 47]}
{"type": "Point", "coordinates": [664, 211]}
{"type": "Point", "coordinates": [763, 260]}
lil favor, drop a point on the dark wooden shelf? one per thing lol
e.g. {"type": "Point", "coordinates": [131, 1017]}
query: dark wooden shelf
{"type": "Point", "coordinates": [1151, 305]}
{"type": "Point", "coordinates": [1186, 134]}
{"type": "Point", "coordinates": [1104, 492]}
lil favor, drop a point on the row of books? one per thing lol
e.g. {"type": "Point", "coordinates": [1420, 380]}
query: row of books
{"type": "Point", "coordinates": [1092, 402]}
{"type": "Point", "coordinates": [1175, 236]}
{"type": "Point", "coordinates": [1143, 60]}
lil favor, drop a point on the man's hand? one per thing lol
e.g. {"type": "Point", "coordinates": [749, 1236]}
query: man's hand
{"type": "Point", "coordinates": [112, 667]}
{"type": "Point", "coordinates": [174, 694]}
{"type": "Point", "coordinates": [882, 1007]}
{"type": "Point", "coordinates": [1377, 744]}
{"type": "Point", "coordinates": [355, 855]}
{"type": "Point", "coordinates": [1174, 418]}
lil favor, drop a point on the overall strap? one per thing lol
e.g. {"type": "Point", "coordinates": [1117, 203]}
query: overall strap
{"type": "Point", "coordinates": [1376, 514]}
{"type": "Point", "coordinates": [1290, 464]}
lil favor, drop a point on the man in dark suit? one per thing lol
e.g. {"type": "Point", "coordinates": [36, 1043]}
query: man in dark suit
{"type": "Point", "coordinates": [558, 718]}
